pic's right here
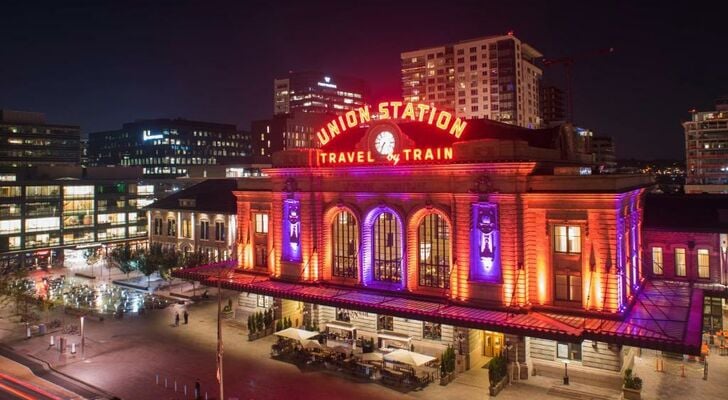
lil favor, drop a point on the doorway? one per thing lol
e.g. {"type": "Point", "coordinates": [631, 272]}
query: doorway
{"type": "Point", "coordinates": [492, 343]}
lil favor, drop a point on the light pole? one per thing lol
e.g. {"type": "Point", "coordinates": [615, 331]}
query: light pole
{"type": "Point", "coordinates": [566, 372]}
{"type": "Point", "coordinates": [83, 338]}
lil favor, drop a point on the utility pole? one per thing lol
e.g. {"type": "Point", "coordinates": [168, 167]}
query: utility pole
{"type": "Point", "coordinates": [219, 334]}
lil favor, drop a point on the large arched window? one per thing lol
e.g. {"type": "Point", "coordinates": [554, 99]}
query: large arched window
{"type": "Point", "coordinates": [345, 242]}
{"type": "Point", "coordinates": [433, 242]}
{"type": "Point", "coordinates": [387, 252]}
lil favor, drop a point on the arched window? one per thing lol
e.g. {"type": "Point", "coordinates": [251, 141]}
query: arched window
{"type": "Point", "coordinates": [345, 241]}
{"type": "Point", "coordinates": [433, 238]}
{"type": "Point", "coordinates": [387, 248]}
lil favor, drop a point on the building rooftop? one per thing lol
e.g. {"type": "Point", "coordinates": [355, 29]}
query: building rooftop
{"type": "Point", "coordinates": [692, 212]}
{"type": "Point", "coordinates": [213, 195]}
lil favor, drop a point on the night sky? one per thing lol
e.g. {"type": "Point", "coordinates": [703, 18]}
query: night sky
{"type": "Point", "coordinates": [99, 64]}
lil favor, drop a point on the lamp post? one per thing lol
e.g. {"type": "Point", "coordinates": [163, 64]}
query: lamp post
{"type": "Point", "coordinates": [566, 372]}
{"type": "Point", "coordinates": [83, 338]}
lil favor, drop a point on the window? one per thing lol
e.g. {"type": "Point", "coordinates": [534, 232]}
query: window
{"type": "Point", "coordinates": [186, 231]}
{"type": "Point", "coordinates": [345, 243]}
{"type": "Point", "coordinates": [171, 227]}
{"type": "Point", "coordinates": [567, 239]}
{"type": "Point", "coordinates": [204, 230]}
{"type": "Point", "coordinates": [387, 248]}
{"type": "Point", "coordinates": [703, 263]}
{"type": "Point", "coordinates": [261, 223]}
{"type": "Point", "coordinates": [158, 226]}
{"type": "Point", "coordinates": [265, 301]}
{"type": "Point", "coordinates": [42, 224]}
{"type": "Point", "coordinates": [680, 267]}
{"type": "Point", "coordinates": [657, 266]}
{"type": "Point", "coordinates": [568, 286]}
{"type": "Point", "coordinates": [431, 330]}
{"type": "Point", "coordinates": [261, 255]}
{"type": "Point", "coordinates": [10, 226]}
{"type": "Point", "coordinates": [220, 231]}
{"type": "Point", "coordinates": [385, 323]}
{"type": "Point", "coordinates": [568, 351]}
{"type": "Point", "coordinates": [342, 314]}
{"type": "Point", "coordinates": [434, 254]}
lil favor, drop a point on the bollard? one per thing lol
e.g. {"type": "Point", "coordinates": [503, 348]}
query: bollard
{"type": "Point", "coordinates": [175, 385]}
{"type": "Point", "coordinates": [73, 348]}
{"type": "Point", "coordinates": [27, 331]}
{"type": "Point", "coordinates": [682, 370]}
{"type": "Point", "coordinates": [53, 341]}
{"type": "Point", "coordinates": [205, 395]}
{"type": "Point", "coordinates": [165, 382]}
{"type": "Point", "coordinates": [185, 388]}
{"type": "Point", "coordinates": [157, 379]}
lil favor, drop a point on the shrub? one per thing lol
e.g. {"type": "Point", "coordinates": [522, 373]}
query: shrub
{"type": "Point", "coordinates": [497, 369]}
{"type": "Point", "coordinates": [251, 323]}
{"type": "Point", "coordinates": [633, 382]}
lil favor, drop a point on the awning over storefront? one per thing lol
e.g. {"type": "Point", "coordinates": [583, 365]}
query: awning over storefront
{"type": "Point", "coordinates": [666, 315]}
{"type": "Point", "coordinates": [341, 325]}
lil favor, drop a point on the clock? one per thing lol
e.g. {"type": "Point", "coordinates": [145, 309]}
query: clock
{"type": "Point", "coordinates": [384, 143]}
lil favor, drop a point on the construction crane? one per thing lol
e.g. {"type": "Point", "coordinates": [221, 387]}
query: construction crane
{"type": "Point", "coordinates": [568, 63]}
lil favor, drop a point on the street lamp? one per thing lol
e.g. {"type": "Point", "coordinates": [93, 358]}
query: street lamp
{"type": "Point", "coordinates": [566, 372]}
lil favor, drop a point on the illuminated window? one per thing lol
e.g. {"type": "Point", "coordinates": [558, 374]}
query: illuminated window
{"type": "Point", "coordinates": [387, 248]}
{"type": "Point", "coordinates": [171, 227]}
{"type": "Point", "coordinates": [567, 239]}
{"type": "Point", "coordinates": [434, 254]}
{"type": "Point", "coordinates": [345, 243]}
{"type": "Point", "coordinates": [568, 286]}
{"type": "Point", "coordinates": [265, 301]}
{"type": "Point", "coordinates": [220, 231]}
{"type": "Point", "coordinates": [680, 266]}
{"type": "Point", "coordinates": [261, 223]}
{"type": "Point", "coordinates": [385, 323]}
{"type": "Point", "coordinates": [568, 351]}
{"type": "Point", "coordinates": [10, 226]}
{"type": "Point", "coordinates": [703, 263]}
{"type": "Point", "coordinates": [204, 230]}
{"type": "Point", "coordinates": [657, 266]}
{"type": "Point", "coordinates": [431, 330]}
{"type": "Point", "coordinates": [186, 231]}
{"type": "Point", "coordinates": [9, 191]}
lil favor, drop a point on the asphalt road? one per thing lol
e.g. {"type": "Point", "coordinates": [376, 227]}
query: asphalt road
{"type": "Point", "coordinates": [14, 389]}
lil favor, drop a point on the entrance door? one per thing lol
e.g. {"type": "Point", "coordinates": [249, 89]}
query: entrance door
{"type": "Point", "coordinates": [492, 343]}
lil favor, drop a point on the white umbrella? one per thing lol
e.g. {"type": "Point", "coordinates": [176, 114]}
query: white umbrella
{"type": "Point", "coordinates": [408, 357]}
{"type": "Point", "coordinates": [371, 357]}
{"type": "Point", "coordinates": [296, 334]}
{"type": "Point", "coordinates": [311, 344]}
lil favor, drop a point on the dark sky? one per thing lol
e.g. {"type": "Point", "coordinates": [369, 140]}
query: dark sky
{"type": "Point", "coordinates": [99, 64]}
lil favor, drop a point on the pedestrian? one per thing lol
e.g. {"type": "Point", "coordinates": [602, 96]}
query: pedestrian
{"type": "Point", "coordinates": [187, 316]}
{"type": "Point", "coordinates": [198, 394]}
{"type": "Point", "coordinates": [176, 319]}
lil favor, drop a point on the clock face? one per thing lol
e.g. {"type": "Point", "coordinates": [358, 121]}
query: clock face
{"type": "Point", "coordinates": [384, 143]}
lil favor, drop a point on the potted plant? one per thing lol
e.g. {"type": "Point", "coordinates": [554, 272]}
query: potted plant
{"type": "Point", "coordinates": [632, 388]}
{"type": "Point", "coordinates": [497, 374]}
{"type": "Point", "coordinates": [447, 366]}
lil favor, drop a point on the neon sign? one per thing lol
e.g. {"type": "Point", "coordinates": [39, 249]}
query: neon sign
{"type": "Point", "coordinates": [392, 110]}
{"type": "Point", "coordinates": [368, 157]}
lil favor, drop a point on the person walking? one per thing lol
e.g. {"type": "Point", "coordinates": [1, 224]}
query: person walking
{"type": "Point", "coordinates": [198, 393]}
{"type": "Point", "coordinates": [176, 319]}
{"type": "Point", "coordinates": [187, 316]}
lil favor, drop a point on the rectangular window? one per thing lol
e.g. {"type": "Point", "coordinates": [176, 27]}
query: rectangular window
{"type": "Point", "coordinates": [568, 351]}
{"type": "Point", "coordinates": [171, 227]}
{"type": "Point", "coordinates": [657, 265]}
{"type": "Point", "coordinates": [261, 255]}
{"type": "Point", "coordinates": [431, 330]}
{"type": "Point", "coordinates": [261, 223]}
{"type": "Point", "coordinates": [265, 301]}
{"type": "Point", "coordinates": [680, 267]}
{"type": "Point", "coordinates": [385, 323]}
{"type": "Point", "coordinates": [220, 231]}
{"type": "Point", "coordinates": [342, 314]}
{"type": "Point", "coordinates": [42, 224]}
{"type": "Point", "coordinates": [567, 239]}
{"type": "Point", "coordinates": [158, 226]}
{"type": "Point", "coordinates": [10, 226]}
{"type": "Point", "coordinates": [568, 286]}
{"type": "Point", "coordinates": [703, 263]}
{"type": "Point", "coordinates": [204, 230]}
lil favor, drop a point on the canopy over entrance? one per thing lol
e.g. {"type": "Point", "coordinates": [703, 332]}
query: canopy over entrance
{"type": "Point", "coordinates": [296, 334]}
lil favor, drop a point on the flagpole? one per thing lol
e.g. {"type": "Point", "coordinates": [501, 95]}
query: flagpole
{"type": "Point", "coordinates": [219, 337]}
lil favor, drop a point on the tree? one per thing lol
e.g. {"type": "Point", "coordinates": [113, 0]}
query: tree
{"type": "Point", "coordinates": [123, 259]}
{"type": "Point", "coordinates": [147, 262]}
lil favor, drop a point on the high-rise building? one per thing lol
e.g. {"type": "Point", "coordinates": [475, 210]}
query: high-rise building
{"type": "Point", "coordinates": [168, 147]}
{"type": "Point", "coordinates": [552, 105]}
{"type": "Point", "coordinates": [605, 156]}
{"type": "Point", "coordinates": [285, 131]}
{"type": "Point", "coordinates": [26, 139]}
{"type": "Point", "coordinates": [706, 150]}
{"type": "Point", "coordinates": [490, 77]}
{"type": "Point", "coordinates": [317, 92]}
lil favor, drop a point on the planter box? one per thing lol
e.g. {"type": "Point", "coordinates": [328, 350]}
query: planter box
{"type": "Point", "coordinates": [631, 394]}
{"type": "Point", "coordinates": [260, 334]}
{"type": "Point", "coordinates": [500, 385]}
{"type": "Point", "coordinates": [445, 379]}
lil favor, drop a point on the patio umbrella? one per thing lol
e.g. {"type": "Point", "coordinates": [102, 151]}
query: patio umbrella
{"type": "Point", "coordinates": [371, 357]}
{"type": "Point", "coordinates": [408, 357]}
{"type": "Point", "coordinates": [311, 344]}
{"type": "Point", "coordinates": [296, 334]}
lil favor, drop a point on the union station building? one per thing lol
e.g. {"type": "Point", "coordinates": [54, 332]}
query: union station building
{"type": "Point", "coordinates": [419, 230]}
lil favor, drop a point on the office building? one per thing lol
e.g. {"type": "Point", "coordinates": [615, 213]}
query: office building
{"type": "Point", "coordinates": [169, 147]}
{"type": "Point", "coordinates": [553, 110]}
{"type": "Point", "coordinates": [293, 130]}
{"type": "Point", "coordinates": [706, 146]}
{"type": "Point", "coordinates": [605, 156]}
{"type": "Point", "coordinates": [491, 77]}
{"type": "Point", "coordinates": [317, 92]}
{"type": "Point", "coordinates": [26, 139]}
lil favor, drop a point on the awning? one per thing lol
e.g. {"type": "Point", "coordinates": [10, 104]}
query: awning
{"type": "Point", "coordinates": [389, 335]}
{"type": "Point", "coordinates": [408, 357]}
{"type": "Point", "coordinates": [341, 325]}
{"type": "Point", "coordinates": [296, 334]}
{"type": "Point", "coordinates": [665, 316]}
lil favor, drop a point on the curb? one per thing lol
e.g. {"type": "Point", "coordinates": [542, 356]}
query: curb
{"type": "Point", "coordinates": [23, 359]}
